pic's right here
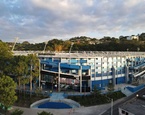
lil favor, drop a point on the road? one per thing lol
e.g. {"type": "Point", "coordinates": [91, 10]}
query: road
{"type": "Point", "coordinates": [116, 106]}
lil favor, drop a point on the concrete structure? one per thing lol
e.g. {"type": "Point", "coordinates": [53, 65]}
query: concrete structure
{"type": "Point", "coordinates": [135, 106]}
{"type": "Point", "coordinates": [89, 69]}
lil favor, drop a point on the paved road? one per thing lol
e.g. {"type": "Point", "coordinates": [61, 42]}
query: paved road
{"type": "Point", "coordinates": [117, 105]}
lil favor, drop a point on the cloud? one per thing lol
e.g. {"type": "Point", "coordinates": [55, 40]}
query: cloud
{"type": "Point", "coordinates": [41, 20]}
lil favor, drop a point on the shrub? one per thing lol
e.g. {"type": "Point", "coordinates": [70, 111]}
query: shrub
{"type": "Point", "coordinates": [44, 113]}
{"type": "Point", "coordinates": [17, 112]}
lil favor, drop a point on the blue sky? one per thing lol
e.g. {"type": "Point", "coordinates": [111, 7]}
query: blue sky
{"type": "Point", "coordinates": [41, 20]}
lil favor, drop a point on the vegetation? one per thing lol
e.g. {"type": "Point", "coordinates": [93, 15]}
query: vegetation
{"type": "Point", "coordinates": [23, 70]}
{"type": "Point", "coordinates": [33, 63]}
{"type": "Point", "coordinates": [96, 98]}
{"type": "Point", "coordinates": [26, 101]}
{"type": "Point", "coordinates": [7, 92]}
{"type": "Point", "coordinates": [17, 112]}
{"type": "Point", "coordinates": [84, 43]}
{"type": "Point", "coordinates": [44, 113]}
{"type": "Point", "coordinates": [5, 57]}
{"type": "Point", "coordinates": [110, 87]}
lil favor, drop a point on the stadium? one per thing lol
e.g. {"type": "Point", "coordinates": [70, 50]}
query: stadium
{"type": "Point", "coordinates": [82, 71]}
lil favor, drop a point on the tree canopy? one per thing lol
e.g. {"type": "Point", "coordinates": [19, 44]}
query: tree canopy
{"type": "Point", "coordinates": [7, 91]}
{"type": "Point", "coordinates": [84, 43]}
{"type": "Point", "coordinates": [5, 57]}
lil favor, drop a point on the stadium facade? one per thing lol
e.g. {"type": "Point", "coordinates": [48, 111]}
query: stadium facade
{"type": "Point", "coordinates": [90, 69]}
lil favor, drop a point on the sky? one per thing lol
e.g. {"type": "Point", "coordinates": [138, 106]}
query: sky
{"type": "Point", "coordinates": [38, 21]}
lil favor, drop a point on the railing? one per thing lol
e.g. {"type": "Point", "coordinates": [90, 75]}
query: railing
{"type": "Point", "coordinates": [138, 74]}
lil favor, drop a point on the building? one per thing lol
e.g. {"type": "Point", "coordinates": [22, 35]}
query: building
{"type": "Point", "coordinates": [90, 69]}
{"type": "Point", "coordinates": [135, 106]}
{"type": "Point", "coordinates": [133, 37]}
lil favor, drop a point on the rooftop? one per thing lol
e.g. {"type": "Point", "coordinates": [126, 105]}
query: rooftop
{"type": "Point", "coordinates": [75, 54]}
{"type": "Point", "coordinates": [135, 106]}
{"type": "Point", "coordinates": [93, 54]}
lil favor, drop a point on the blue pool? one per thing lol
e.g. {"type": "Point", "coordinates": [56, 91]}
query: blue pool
{"type": "Point", "coordinates": [54, 105]}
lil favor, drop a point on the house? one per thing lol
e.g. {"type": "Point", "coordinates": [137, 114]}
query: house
{"type": "Point", "coordinates": [133, 37]}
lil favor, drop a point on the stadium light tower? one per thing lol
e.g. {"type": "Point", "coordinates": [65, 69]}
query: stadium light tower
{"type": "Point", "coordinates": [16, 39]}
{"type": "Point", "coordinates": [70, 52]}
{"type": "Point", "coordinates": [45, 46]}
{"type": "Point", "coordinates": [71, 47]}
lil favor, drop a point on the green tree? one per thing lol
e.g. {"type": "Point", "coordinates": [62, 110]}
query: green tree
{"type": "Point", "coordinates": [96, 91]}
{"type": "Point", "coordinates": [5, 56]}
{"type": "Point", "coordinates": [33, 62]}
{"type": "Point", "coordinates": [24, 81]}
{"type": "Point", "coordinates": [110, 87]}
{"type": "Point", "coordinates": [7, 91]}
{"type": "Point", "coordinates": [20, 68]}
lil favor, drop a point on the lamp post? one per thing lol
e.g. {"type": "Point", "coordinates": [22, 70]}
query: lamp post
{"type": "Point", "coordinates": [137, 95]}
{"type": "Point", "coordinates": [111, 106]}
{"type": "Point", "coordinates": [110, 99]}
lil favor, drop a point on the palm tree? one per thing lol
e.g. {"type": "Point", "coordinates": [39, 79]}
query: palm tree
{"type": "Point", "coordinates": [33, 63]}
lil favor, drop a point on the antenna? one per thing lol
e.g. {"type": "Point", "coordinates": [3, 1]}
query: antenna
{"type": "Point", "coordinates": [16, 39]}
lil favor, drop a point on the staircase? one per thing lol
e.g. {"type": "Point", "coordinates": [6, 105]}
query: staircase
{"type": "Point", "coordinates": [125, 91]}
{"type": "Point", "coordinates": [57, 96]}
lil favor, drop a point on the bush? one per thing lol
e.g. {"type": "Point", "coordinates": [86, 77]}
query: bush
{"type": "Point", "coordinates": [44, 113]}
{"type": "Point", "coordinates": [17, 112]}
{"type": "Point", "coordinates": [97, 98]}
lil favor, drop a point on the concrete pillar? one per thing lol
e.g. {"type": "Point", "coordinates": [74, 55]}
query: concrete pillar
{"type": "Point", "coordinates": [90, 81]}
{"type": "Point", "coordinates": [107, 68]}
{"type": "Point", "coordinates": [39, 73]}
{"type": "Point", "coordinates": [80, 75]}
{"type": "Point", "coordinates": [95, 68]}
{"type": "Point", "coordinates": [58, 77]}
{"type": "Point", "coordinates": [102, 71]}
{"type": "Point", "coordinates": [113, 75]}
{"type": "Point", "coordinates": [126, 74]}
{"type": "Point", "coordinates": [89, 71]}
